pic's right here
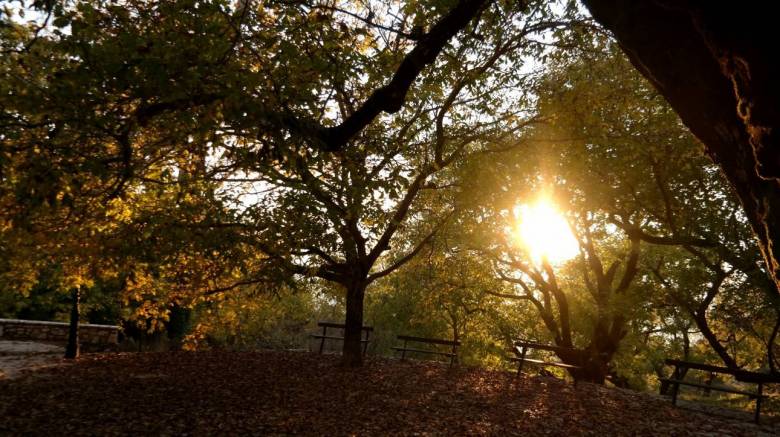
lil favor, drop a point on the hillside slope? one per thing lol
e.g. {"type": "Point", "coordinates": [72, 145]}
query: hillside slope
{"type": "Point", "coordinates": [206, 393]}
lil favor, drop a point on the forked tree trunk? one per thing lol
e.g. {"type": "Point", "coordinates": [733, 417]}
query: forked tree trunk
{"type": "Point", "coordinates": [72, 349]}
{"type": "Point", "coordinates": [593, 361]}
{"type": "Point", "coordinates": [595, 368]}
{"type": "Point", "coordinates": [352, 353]}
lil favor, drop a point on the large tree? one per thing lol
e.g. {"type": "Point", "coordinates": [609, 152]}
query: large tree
{"type": "Point", "coordinates": [188, 104]}
{"type": "Point", "coordinates": [336, 216]}
{"type": "Point", "coordinates": [630, 174]}
{"type": "Point", "coordinates": [715, 62]}
{"type": "Point", "coordinates": [110, 91]}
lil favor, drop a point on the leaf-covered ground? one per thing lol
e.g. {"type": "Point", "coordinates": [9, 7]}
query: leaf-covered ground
{"type": "Point", "coordinates": [207, 393]}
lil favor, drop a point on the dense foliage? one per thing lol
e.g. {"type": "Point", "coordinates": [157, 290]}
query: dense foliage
{"type": "Point", "coordinates": [232, 173]}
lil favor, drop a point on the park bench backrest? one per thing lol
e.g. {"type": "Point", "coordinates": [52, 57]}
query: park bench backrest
{"type": "Point", "coordinates": [429, 340]}
{"type": "Point", "coordinates": [739, 374]}
{"type": "Point", "coordinates": [682, 367]}
{"type": "Point", "coordinates": [541, 346]}
{"type": "Point", "coordinates": [435, 341]}
{"type": "Point", "coordinates": [367, 330]}
{"type": "Point", "coordinates": [341, 326]}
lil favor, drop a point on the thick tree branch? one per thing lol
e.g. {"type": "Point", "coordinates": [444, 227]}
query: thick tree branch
{"type": "Point", "coordinates": [390, 98]}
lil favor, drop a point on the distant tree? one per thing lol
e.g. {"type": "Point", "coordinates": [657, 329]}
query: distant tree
{"type": "Point", "coordinates": [107, 125]}
{"type": "Point", "coordinates": [629, 175]}
{"type": "Point", "coordinates": [337, 216]}
{"type": "Point", "coordinates": [685, 204]}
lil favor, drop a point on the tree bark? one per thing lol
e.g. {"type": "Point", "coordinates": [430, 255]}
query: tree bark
{"type": "Point", "coordinates": [770, 347]}
{"type": "Point", "coordinates": [712, 339]}
{"type": "Point", "coordinates": [593, 363]}
{"type": "Point", "coordinates": [455, 335]}
{"type": "Point", "coordinates": [352, 352]}
{"type": "Point", "coordinates": [598, 359]}
{"type": "Point", "coordinates": [72, 349]}
{"type": "Point", "coordinates": [619, 380]}
{"type": "Point", "coordinates": [714, 62]}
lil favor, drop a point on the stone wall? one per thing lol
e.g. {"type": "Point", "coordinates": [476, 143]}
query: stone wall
{"type": "Point", "coordinates": [91, 335]}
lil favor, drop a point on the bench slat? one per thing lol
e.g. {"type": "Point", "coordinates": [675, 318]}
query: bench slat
{"type": "Point", "coordinates": [700, 366]}
{"type": "Point", "coordinates": [755, 378]}
{"type": "Point", "coordinates": [544, 363]}
{"type": "Point", "coordinates": [713, 387]}
{"type": "Point", "coordinates": [429, 340]}
{"type": "Point", "coordinates": [540, 346]}
{"type": "Point", "coordinates": [332, 337]}
{"type": "Point", "coordinates": [340, 326]}
{"type": "Point", "coordinates": [423, 351]}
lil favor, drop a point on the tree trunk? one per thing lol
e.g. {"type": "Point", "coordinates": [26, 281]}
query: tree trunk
{"type": "Point", "coordinates": [72, 349]}
{"type": "Point", "coordinates": [178, 321]}
{"type": "Point", "coordinates": [455, 335]}
{"type": "Point", "coordinates": [352, 352]}
{"type": "Point", "coordinates": [619, 380]}
{"type": "Point", "coordinates": [594, 369]}
{"type": "Point", "coordinates": [594, 365]}
{"type": "Point", "coordinates": [715, 63]}
{"type": "Point", "coordinates": [712, 339]}
{"type": "Point", "coordinates": [770, 348]}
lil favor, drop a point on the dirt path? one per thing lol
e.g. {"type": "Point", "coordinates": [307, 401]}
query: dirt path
{"type": "Point", "coordinates": [19, 356]}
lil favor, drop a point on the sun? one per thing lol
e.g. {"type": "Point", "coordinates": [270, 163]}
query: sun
{"type": "Point", "coordinates": [544, 233]}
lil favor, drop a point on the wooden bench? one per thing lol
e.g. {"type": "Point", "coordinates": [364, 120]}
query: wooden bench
{"type": "Point", "coordinates": [367, 330]}
{"type": "Point", "coordinates": [522, 347]}
{"type": "Point", "coordinates": [452, 354]}
{"type": "Point", "coordinates": [681, 368]}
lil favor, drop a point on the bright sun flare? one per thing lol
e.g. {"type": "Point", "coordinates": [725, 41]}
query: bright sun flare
{"type": "Point", "coordinates": [544, 233]}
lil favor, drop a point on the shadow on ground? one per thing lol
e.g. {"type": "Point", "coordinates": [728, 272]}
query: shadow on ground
{"type": "Point", "coordinates": [208, 393]}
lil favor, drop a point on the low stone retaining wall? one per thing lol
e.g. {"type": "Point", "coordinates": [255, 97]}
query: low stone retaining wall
{"type": "Point", "coordinates": [95, 335]}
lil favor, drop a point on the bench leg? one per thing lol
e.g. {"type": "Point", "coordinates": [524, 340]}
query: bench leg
{"type": "Point", "coordinates": [322, 341]}
{"type": "Point", "coordinates": [678, 373]}
{"type": "Point", "coordinates": [403, 352]}
{"type": "Point", "coordinates": [707, 391]}
{"type": "Point", "coordinates": [758, 402]}
{"type": "Point", "coordinates": [675, 388]}
{"type": "Point", "coordinates": [664, 388]}
{"type": "Point", "coordinates": [522, 360]}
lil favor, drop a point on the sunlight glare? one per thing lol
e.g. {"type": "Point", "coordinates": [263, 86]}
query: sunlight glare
{"type": "Point", "coordinates": [543, 231]}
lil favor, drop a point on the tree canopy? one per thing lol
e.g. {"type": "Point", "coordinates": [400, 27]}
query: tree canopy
{"type": "Point", "coordinates": [245, 168]}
